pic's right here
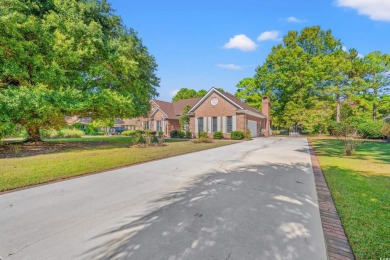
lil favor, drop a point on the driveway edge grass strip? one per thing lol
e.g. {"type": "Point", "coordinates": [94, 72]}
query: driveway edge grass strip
{"type": "Point", "coordinates": [111, 168]}
{"type": "Point", "coordinates": [336, 240]}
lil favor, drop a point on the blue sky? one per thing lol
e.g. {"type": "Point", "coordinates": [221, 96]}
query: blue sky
{"type": "Point", "coordinates": [203, 44]}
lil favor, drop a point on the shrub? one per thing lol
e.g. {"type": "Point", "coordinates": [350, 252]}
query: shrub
{"type": "Point", "coordinates": [174, 133]}
{"type": "Point", "coordinates": [140, 140]}
{"type": "Point", "coordinates": [181, 134]}
{"type": "Point", "coordinates": [371, 129]}
{"type": "Point", "coordinates": [160, 138]}
{"type": "Point", "coordinates": [237, 135]}
{"type": "Point", "coordinates": [177, 134]}
{"type": "Point", "coordinates": [188, 135]}
{"type": "Point", "coordinates": [218, 135]}
{"type": "Point", "coordinates": [386, 130]}
{"type": "Point", "coordinates": [202, 140]}
{"type": "Point", "coordinates": [203, 134]}
{"type": "Point", "coordinates": [248, 135]}
{"type": "Point", "coordinates": [46, 134]}
{"type": "Point", "coordinates": [129, 133]}
{"type": "Point", "coordinates": [100, 133]}
{"type": "Point", "coordinates": [71, 133]}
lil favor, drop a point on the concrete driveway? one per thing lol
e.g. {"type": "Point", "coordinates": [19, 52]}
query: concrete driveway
{"type": "Point", "coordinates": [253, 200]}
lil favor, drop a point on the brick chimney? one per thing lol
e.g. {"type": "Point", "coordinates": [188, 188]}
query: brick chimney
{"type": "Point", "coordinates": [266, 110]}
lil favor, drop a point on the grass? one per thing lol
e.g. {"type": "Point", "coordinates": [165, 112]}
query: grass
{"type": "Point", "coordinates": [26, 171]}
{"type": "Point", "coordinates": [360, 186]}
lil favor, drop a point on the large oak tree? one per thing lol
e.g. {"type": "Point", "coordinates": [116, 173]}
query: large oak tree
{"type": "Point", "coordinates": [70, 57]}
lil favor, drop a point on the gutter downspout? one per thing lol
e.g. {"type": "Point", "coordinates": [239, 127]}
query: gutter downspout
{"type": "Point", "coordinates": [245, 123]}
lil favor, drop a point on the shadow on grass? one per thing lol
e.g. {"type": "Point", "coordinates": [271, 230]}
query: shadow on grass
{"type": "Point", "coordinates": [379, 151]}
{"type": "Point", "coordinates": [49, 146]}
{"type": "Point", "coordinates": [236, 214]}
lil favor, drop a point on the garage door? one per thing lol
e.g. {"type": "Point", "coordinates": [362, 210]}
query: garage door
{"type": "Point", "coordinates": [252, 125]}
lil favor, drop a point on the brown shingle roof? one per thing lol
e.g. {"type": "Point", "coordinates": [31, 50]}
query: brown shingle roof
{"type": "Point", "coordinates": [175, 109]}
{"type": "Point", "coordinates": [178, 106]}
{"type": "Point", "coordinates": [166, 108]}
{"type": "Point", "coordinates": [242, 104]}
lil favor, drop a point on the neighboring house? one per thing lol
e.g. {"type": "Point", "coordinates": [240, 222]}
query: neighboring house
{"type": "Point", "coordinates": [221, 111]}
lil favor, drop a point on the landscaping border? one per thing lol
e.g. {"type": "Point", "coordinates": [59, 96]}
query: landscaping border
{"type": "Point", "coordinates": [337, 244]}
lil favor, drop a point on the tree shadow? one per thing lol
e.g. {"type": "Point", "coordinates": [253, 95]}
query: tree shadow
{"type": "Point", "coordinates": [242, 213]}
{"type": "Point", "coordinates": [379, 151]}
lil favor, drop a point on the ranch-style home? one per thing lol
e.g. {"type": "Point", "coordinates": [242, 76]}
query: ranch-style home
{"type": "Point", "coordinates": [216, 111]}
{"type": "Point", "coordinates": [222, 111]}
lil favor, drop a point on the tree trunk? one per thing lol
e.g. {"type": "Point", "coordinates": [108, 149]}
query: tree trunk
{"type": "Point", "coordinates": [338, 110]}
{"type": "Point", "coordinates": [374, 112]}
{"type": "Point", "coordinates": [33, 134]}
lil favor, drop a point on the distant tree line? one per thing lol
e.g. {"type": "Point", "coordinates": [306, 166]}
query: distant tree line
{"type": "Point", "coordinates": [69, 57]}
{"type": "Point", "coordinates": [314, 81]}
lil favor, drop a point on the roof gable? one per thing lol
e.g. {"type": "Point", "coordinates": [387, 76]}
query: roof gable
{"type": "Point", "coordinates": [228, 97]}
{"type": "Point", "coordinates": [211, 91]}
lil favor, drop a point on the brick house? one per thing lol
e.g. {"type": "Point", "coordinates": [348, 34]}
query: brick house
{"type": "Point", "coordinates": [164, 116]}
{"type": "Point", "coordinates": [221, 111]}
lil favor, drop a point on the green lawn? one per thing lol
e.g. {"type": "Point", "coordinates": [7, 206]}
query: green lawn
{"type": "Point", "coordinates": [112, 153]}
{"type": "Point", "coordinates": [360, 186]}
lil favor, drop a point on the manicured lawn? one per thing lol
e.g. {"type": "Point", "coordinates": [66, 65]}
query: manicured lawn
{"type": "Point", "coordinates": [360, 186]}
{"type": "Point", "coordinates": [25, 171]}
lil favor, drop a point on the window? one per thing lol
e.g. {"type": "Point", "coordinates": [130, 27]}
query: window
{"type": "Point", "coordinates": [200, 124]}
{"type": "Point", "coordinates": [229, 124]}
{"type": "Point", "coordinates": [158, 126]}
{"type": "Point", "coordinates": [146, 125]}
{"type": "Point", "coordinates": [215, 125]}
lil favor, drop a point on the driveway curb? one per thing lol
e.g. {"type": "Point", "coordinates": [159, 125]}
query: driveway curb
{"type": "Point", "coordinates": [337, 244]}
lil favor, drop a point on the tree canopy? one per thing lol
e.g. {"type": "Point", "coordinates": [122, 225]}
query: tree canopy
{"type": "Point", "coordinates": [70, 57]}
{"type": "Point", "coordinates": [310, 77]}
{"type": "Point", "coordinates": [185, 93]}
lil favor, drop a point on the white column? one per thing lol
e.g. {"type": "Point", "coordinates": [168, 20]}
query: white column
{"type": "Point", "coordinates": [234, 123]}
{"type": "Point", "coordinates": [196, 125]}
{"type": "Point", "coordinates": [204, 124]}
{"type": "Point", "coordinates": [224, 124]}
{"type": "Point", "coordinates": [209, 125]}
{"type": "Point", "coordinates": [219, 123]}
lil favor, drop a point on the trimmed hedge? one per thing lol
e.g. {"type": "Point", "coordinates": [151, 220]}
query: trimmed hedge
{"type": "Point", "coordinates": [218, 135]}
{"type": "Point", "coordinates": [237, 135]}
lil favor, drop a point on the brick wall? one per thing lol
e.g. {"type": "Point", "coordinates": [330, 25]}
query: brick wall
{"type": "Point", "coordinates": [206, 109]}
{"type": "Point", "coordinates": [223, 108]}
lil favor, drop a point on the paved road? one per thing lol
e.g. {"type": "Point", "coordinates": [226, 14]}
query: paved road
{"type": "Point", "coordinates": [253, 200]}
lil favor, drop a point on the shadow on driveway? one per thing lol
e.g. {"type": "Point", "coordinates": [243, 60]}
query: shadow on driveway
{"type": "Point", "coordinates": [252, 212]}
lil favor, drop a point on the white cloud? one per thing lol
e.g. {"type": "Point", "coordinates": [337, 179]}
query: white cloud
{"type": "Point", "coordinates": [241, 42]}
{"type": "Point", "coordinates": [293, 19]}
{"type": "Point", "coordinates": [173, 92]}
{"type": "Point", "coordinates": [269, 36]}
{"type": "Point", "coordinates": [378, 10]}
{"type": "Point", "coordinates": [229, 66]}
